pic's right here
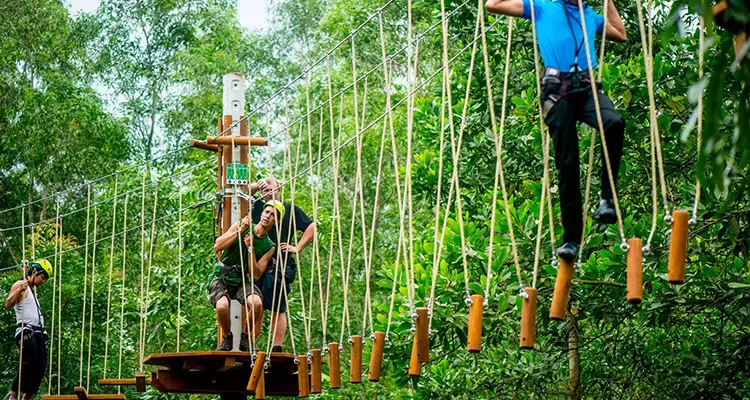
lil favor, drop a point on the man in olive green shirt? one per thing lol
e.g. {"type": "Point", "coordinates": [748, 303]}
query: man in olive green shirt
{"type": "Point", "coordinates": [226, 280]}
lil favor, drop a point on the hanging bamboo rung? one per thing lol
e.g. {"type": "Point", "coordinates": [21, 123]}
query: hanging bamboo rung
{"type": "Point", "coordinates": [561, 294]}
{"type": "Point", "coordinates": [316, 372]}
{"type": "Point", "coordinates": [334, 365]}
{"type": "Point", "coordinates": [260, 390]}
{"type": "Point", "coordinates": [303, 376]}
{"type": "Point", "coordinates": [423, 335]}
{"type": "Point", "coordinates": [415, 367]}
{"type": "Point", "coordinates": [528, 319]}
{"type": "Point", "coordinates": [355, 371]}
{"type": "Point", "coordinates": [635, 271]}
{"type": "Point", "coordinates": [678, 247]}
{"type": "Point", "coordinates": [258, 370]}
{"type": "Point", "coordinates": [474, 344]}
{"type": "Point", "coordinates": [376, 359]}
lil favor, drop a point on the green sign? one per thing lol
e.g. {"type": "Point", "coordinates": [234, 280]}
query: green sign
{"type": "Point", "coordinates": [236, 174]}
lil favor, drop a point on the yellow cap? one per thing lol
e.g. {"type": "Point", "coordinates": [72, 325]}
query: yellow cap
{"type": "Point", "coordinates": [279, 206]}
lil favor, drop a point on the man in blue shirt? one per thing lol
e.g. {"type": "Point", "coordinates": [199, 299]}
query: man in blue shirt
{"type": "Point", "coordinates": [567, 98]}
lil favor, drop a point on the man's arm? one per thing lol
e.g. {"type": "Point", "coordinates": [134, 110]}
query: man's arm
{"type": "Point", "coordinates": [227, 238]}
{"type": "Point", "coordinates": [17, 292]}
{"type": "Point", "coordinates": [513, 8]}
{"type": "Point", "coordinates": [307, 238]}
{"type": "Point", "coordinates": [615, 28]}
{"type": "Point", "coordinates": [260, 266]}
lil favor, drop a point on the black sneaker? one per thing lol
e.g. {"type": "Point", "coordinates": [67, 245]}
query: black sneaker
{"type": "Point", "coordinates": [606, 214]}
{"type": "Point", "coordinates": [226, 343]}
{"type": "Point", "coordinates": [567, 251]}
{"type": "Point", "coordinates": [244, 342]}
{"type": "Point", "coordinates": [277, 349]}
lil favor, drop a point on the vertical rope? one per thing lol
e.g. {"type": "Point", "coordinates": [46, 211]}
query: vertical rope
{"type": "Point", "coordinates": [499, 135]}
{"type": "Point", "coordinates": [91, 302]}
{"type": "Point", "coordinates": [396, 171]}
{"type": "Point", "coordinates": [59, 306]}
{"type": "Point", "coordinates": [600, 123]}
{"type": "Point", "coordinates": [23, 277]}
{"type": "Point", "coordinates": [144, 313]}
{"type": "Point", "coordinates": [85, 288]}
{"type": "Point", "coordinates": [143, 264]}
{"type": "Point", "coordinates": [455, 152]}
{"type": "Point", "coordinates": [179, 271]}
{"type": "Point", "coordinates": [122, 286]}
{"type": "Point", "coordinates": [109, 284]}
{"type": "Point", "coordinates": [699, 142]}
{"type": "Point", "coordinates": [58, 251]}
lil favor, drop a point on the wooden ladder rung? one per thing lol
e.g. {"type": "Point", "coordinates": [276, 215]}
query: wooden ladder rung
{"type": "Point", "coordinates": [82, 394]}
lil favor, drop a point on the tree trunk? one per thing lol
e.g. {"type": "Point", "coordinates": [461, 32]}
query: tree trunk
{"type": "Point", "coordinates": [574, 360]}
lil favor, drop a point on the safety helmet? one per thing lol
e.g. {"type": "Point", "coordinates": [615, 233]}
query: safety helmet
{"type": "Point", "coordinates": [40, 266]}
{"type": "Point", "coordinates": [279, 206]}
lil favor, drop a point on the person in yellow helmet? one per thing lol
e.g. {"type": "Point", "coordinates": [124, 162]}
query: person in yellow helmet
{"type": "Point", "coordinates": [30, 328]}
{"type": "Point", "coordinates": [225, 282]}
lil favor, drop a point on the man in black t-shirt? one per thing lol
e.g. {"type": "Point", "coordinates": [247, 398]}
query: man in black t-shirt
{"type": "Point", "coordinates": [294, 220]}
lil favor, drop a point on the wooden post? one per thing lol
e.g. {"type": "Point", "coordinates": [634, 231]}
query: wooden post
{"type": "Point", "coordinates": [260, 390]}
{"type": "Point", "coordinates": [376, 359]}
{"type": "Point", "coordinates": [304, 378]}
{"type": "Point", "coordinates": [422, 336]}
{"type": "Point", "coordinates": [316, 372]}
{"type": "Point", "coordinates": [562, 291]}
{"type": "Point", "coordinates": [474, 344]}
{"type": "Point", "coordinates": [355, 371]}
{"type": "Point", "coordinates": [415, 367]}
{"type": "Point", "coordinates": [140, 382]}
{"type": "Point", "coordinates": [334, 365]}
{"type": "Point", "coordinates": [528, 319]}
{"type": "Point", "coordinates": [635, 271]}
{"type": "Point", "coordinates": [678, 247]}
{"type": "Point", "coordinates": [258, 370]}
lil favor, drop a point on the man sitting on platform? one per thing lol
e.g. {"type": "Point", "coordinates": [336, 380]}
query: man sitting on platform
{"type": "Point", "coordinates": [226, 281]}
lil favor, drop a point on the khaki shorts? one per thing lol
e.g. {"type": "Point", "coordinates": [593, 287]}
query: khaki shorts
{"type": "Point", "coordinates": [218, 289]}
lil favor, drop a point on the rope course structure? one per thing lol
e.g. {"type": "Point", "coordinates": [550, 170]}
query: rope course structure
{"type": "Point", "coordinates": [386, 102]}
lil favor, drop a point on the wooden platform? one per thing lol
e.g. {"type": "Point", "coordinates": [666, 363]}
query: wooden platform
{"type": "Point", "coordinates": [220, 372]}
{"type": "Point", "coordinates": [82, 394]}
{"type": "Point", "coordinates": [140, 382]}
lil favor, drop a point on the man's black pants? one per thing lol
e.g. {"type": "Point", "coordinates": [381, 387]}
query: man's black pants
{"type": "Point", "coordinates": [564, 108]}
{"type": "Point", "coordinates": [34, 363]}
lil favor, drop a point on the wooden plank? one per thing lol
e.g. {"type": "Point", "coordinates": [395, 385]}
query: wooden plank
{"type": "Point", "coordinates": [229, 363]}
{"type": "Point", "coordinates": [121, 382]}
{"type": "Point", "coordinates": [217, 360]}
{"type": "Point", "coordinates": [233, 381]}
{"type": "Point", "coordinates": [113, 396]}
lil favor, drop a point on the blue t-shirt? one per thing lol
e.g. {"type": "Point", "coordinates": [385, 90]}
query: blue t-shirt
{"type": "Point", "coordinates": [557, 43]}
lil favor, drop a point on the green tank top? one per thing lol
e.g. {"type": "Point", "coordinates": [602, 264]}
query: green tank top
{"type": "Point", "coordinates": [233, 264]}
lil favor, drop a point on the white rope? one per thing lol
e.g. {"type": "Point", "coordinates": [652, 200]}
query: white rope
{"type": "Point", "coordinates": [91, 302]}
{"type": "Point", "coordinates": [58, 245]}
{"type": "Point", "coordinates": [699, 144]}
{"type": "Point", "coordinates": [122, 287]}
{"type": "Point", "coordinates": [85, 274]}
{"type": "Point", "coordinates": [109, 284]}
